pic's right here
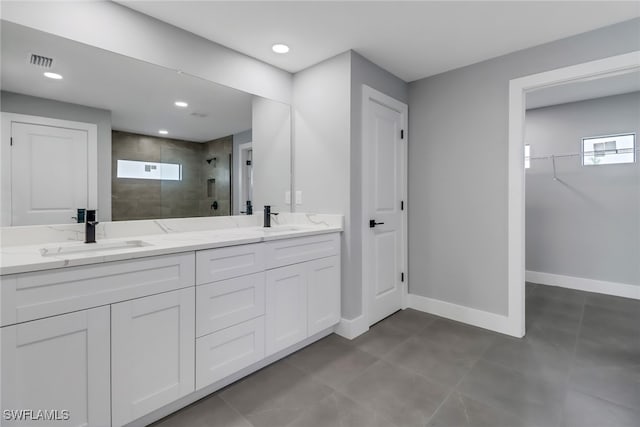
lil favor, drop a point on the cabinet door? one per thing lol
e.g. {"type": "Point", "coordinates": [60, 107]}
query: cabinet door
{"type": "Point", "coordinates": [286, 313]}
{"type": "Point", "coordinates": [225, 352]}
{"type": "Point", "coordinates": [58, 364]}
{"type": "Point", "coordinates": [152, 354]}
{"type": "Point", "coordinates": [323, 293]}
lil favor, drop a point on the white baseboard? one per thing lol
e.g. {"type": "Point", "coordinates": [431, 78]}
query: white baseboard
{"type": "Point", "coordinates": [582, 284]}
{"type": "Point", "coordinates": [351, 328]}
{"type": "Point", "coordinates": [482, 319]}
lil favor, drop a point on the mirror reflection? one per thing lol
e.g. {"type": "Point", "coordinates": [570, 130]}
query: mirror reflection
{"type": "Point", "coordinates": [132, 139]}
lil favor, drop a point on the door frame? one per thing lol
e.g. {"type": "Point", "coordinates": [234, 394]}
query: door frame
{"type": "Point", "coordinates": [241, 197]}
{"type": "Point", "coordinates": [370, 94]}
{"type": "Point", "coordinates": [5, 157]}
{"type": "Point", "coordinates": [518, 88]}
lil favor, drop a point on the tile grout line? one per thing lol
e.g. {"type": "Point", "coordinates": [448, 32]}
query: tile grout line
{"type": "Point", "coordinates": [587, 392]}
{"type": "Point", "coordinates": [575, 345]}
{"type": "Point", "coordinates": [455, 387]}
{"type": "Point", "coordinates": [573, 359]}
{"type": "Point", "coordinates": [234, 409]}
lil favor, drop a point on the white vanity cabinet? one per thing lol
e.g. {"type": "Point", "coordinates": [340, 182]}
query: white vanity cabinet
{"type": "Point", "coordinates": [230, 306]}
{"type": "Point", "coordinates": [291, 293]}
{"type": "Point", "coordinates": [69, 333]}
{"type": "Point", "coordinates": [323, 293]}
{"type": "Point", "coordinates": [58, 364]}
{"type": "Point", "coordinates": [286, 307]}
{"type": "Point", "coordinates": [152, 353]}
{"type": "Point", "coordinates": [118, 343]}
{"type": "Point", "coordinates": [303, 289]}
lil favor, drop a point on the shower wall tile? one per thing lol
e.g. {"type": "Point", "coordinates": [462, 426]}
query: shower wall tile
{"type": "Point", "coordinates": [134, 199]}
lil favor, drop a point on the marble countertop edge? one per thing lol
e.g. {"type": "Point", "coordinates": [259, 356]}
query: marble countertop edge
{"type": "Point", "coordinates": [28, 258]}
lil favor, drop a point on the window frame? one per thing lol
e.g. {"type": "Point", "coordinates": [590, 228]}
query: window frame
{"type": "Point", "coordinates": [583, 154]}
{"type": "Point", "coordinates": [152, 165]}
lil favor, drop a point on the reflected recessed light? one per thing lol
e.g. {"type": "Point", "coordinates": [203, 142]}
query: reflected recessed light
{"type": "Point", "coordinates": [163, 131]}
{"type": "Point", "coordinates": [280, 48]}
{"type": "Point", "coordinates": [181, 104]}
{"type": "Point", "coordinates": [53, 75]}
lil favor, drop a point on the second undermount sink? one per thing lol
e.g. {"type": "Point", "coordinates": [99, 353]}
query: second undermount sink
{"type": "Point", "coordinates": [81, 248]}
{"type": "Point", "coordinates": [281, 228]}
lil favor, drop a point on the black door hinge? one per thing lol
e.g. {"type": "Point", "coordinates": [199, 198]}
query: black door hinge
{"type": "Point", "coordinates": [402, 277]}
{"type": "Point", "coordinates": [402, 134]}
{"type": "Point", "coordinates": [11, 141]}
{"type": "Point", "coordinates": [402, 205]}
{"type": "Point", "coordinates": [248, 162]}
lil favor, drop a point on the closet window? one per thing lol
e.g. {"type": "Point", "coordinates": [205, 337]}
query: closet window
{"type": "Point", "coordinates": [608, 150]}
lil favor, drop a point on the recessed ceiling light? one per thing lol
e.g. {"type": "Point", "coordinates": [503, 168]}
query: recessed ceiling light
{"type": "Point", "coordinates": [181, 104]}
{"type": "Point", "coordinates": [54, 76]}
{"type": "Point", "coordinates": [163, 131]}
{"type": "Point", "coordinates": [280, 48]}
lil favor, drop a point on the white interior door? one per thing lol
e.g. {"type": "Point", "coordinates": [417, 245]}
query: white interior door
{"type": "Point", "coordinates": [244, 167]}
{"type": "Point", "coordinates": [384, 190]}
{"type": "Point", "coordinates": [49, 173]}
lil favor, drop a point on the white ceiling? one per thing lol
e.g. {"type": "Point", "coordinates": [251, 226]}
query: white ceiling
{"type": "Point", "coordinates": [607, 85]}
{"type": "Point", "coordinates": [139, 95]}
{"type": "Point", "coordinates": [412, 40]}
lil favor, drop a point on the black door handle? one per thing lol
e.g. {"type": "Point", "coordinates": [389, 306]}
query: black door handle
{"type": "Point", "coordinates": [373, 223]}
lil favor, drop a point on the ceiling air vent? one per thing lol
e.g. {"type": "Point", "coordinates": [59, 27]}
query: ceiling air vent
{"type": "Point", "coordinates": [41, 61]}
{"type": "Point", "coordinates": [200, 115]}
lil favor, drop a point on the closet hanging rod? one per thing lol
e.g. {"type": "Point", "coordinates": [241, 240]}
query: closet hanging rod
{"type": "Point", "coordinates": [587, 153]}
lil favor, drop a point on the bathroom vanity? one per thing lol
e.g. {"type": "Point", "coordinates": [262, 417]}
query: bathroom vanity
{"type": "Point", "coordinates": [138, 326]}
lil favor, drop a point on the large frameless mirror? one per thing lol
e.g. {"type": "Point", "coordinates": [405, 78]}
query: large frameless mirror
{"type": "Point", "coordinates": [132, 139]}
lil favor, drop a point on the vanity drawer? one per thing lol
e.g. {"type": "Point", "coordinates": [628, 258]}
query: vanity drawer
{"type": "Point", "coordinates": [41, 294]}
{"type": "Point", "coordinates": [227, 351]}
{"type": "Point", "coordinates": [229, 302]}
{"type": "Point", "coordinates": [292, 251]}
{"type": "Point", "coordinates": [224, 263]}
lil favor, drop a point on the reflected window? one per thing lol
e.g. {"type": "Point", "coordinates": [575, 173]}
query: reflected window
{"type": "Point", "coordinates": [149, 170]}
{"type": "Point", "coordinates": [527, 156]}
{"type": "Point", "coordinates": [608, 150]}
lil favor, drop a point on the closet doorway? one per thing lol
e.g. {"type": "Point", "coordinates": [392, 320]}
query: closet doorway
{"type": "Point", "coordinates": [570, 79]}
{"type": "Point", "coordinates": [582, 198]}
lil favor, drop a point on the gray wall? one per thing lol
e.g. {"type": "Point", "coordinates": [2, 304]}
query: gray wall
{"type": "Point", "coordinates": [23, 104]}
{"type": "Point", "coordinates": [587, 223]}
{"type": "Point", "coordinates": [458, 128]}
{"type": "Point", "coordinates": [327, 126]}
{"type": "Point", "coordinates": [322, 135]}
{"type": "Point", "coordinates": [118, 29]}
{"type": "Point", "coordinates": [271, 153]}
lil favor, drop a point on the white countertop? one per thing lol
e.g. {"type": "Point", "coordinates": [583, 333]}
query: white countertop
{"type": "Point", "coordinates": [27, 258]}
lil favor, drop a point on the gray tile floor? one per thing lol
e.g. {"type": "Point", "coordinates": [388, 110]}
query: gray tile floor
{"type": "Point", "coordinates": [579, 365]}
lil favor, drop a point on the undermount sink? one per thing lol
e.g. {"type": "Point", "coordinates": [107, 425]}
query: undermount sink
{"type": "Point", "coordinates": [80, 248]}
{"type": "Point", "coordinates": [281, 228]}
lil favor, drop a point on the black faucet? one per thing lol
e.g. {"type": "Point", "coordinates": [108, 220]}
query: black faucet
{"type": "Point", "coordinates": [267, 216]}
{"type": "Point", "coordinates": [249, 210]}
{"type": "Point", "coordinates": [90, 226]}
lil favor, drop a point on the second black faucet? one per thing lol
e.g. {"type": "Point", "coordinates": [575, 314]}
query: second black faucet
{"type": "Point", "coordinates": [267, 216]}
{"type": "Point", "coordinates": [90, 226]}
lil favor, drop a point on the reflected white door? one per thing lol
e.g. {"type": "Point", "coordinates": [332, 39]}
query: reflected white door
{"type": "Point", "coordinates": [384, 190]}
{"type": "Point", "coordinates": [244, 173]}
{"type": "Point", "coordinates": [49, 173]}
